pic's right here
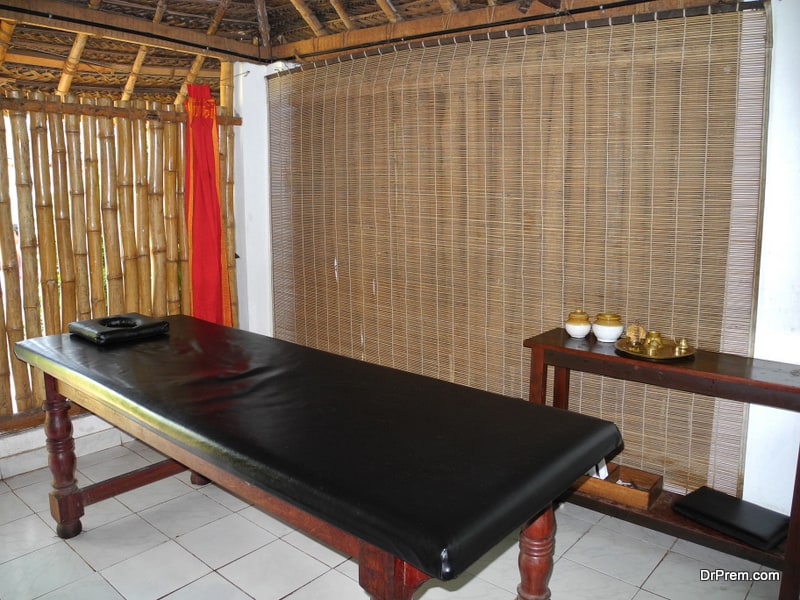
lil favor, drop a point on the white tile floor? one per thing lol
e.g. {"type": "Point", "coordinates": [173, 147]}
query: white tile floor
{"type": "Point", "coordinates": [175, 540]}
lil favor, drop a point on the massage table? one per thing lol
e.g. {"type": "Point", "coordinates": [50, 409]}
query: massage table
{"type": "Point", "coordinates": [414, 477]}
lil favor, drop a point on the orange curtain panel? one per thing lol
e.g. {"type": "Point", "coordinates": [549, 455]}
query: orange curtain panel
{"type": "Point", "coordinates": [208, 268]}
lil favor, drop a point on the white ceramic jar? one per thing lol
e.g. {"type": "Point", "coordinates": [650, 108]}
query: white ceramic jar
{"type": "Point", "coordinates": [607, 327]}
{"type": "Point", "coordinates": [577, 324]}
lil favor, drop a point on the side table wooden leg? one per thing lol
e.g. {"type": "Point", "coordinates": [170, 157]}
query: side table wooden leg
{"type": "Point", "coordinates": [561, 387]}
{"type": "Point", "coordinates": [536, 545]}
{"type": "Point", "coordinates": [386, 577]}
{"type": "Point", "coordinates": [537, 392]}
{"type": "Point", "coordinates": [790, 578]}
{"type": "Point", "coordinates": [66, 503]}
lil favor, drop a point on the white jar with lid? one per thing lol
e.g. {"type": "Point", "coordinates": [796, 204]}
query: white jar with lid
{"type": "Point", "coordinates": [607, 327]}
{"type": "Point", "coordinates": [577, 324]}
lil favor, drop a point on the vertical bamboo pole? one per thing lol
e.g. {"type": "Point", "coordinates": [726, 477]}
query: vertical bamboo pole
{"type": "Point", "coordinates": [155, 200]}
{"type": "Point", "coordinates": [230, 227]}
{"type": "Point", "coordinates": [94, 232]}
{"type": "Point", "coordinates": [45, 219]}
{"type": "Point", "coordinates": [11, 317]}
{"type": "Point", "coordinates": [77, 204]}
{"type": "Point", "coordinates": [126, 192]}
{"type": "Point", "coordinates": [142, 213]}
{"type": "Point", "coordinates": [171, 213]}
{"type": "Point", "coordinates": [226, 183]}
{"type": "Point", "coordinates": [183, 235]}
{"type": "Point", "coordinates": [27, 243]}
{"type": "Point", "coordinates": [109, 208]}
{"type": "Point", "coordinates": [63, 225]}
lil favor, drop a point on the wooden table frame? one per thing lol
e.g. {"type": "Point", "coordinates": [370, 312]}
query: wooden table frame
{"type": "Point", "coordinates": [382, 575]}
{"type": "Point", "coordinates": [713, 374]}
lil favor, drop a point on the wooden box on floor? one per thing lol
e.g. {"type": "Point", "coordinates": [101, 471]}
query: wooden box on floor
{"type": "Point", "coordinates": [641, 490]}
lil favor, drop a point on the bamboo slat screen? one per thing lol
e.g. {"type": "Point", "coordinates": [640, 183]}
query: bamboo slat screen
{"type": "Point", "coordinates": [436, 204]}
{"type": "Point", "coordinates": [95, 190]}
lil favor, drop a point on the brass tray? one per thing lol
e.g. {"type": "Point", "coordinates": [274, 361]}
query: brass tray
{"type": "Point", "coordinates": [667, 350]}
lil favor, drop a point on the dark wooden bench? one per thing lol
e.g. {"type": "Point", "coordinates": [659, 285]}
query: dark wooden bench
{"type": "Point", "coordinates": [413, 476]}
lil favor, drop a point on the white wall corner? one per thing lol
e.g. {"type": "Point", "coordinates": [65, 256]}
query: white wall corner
{"type": "Point", "coordinates": [773, 435]}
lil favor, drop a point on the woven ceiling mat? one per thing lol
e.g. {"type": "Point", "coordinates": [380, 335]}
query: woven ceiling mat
{"type": "Point", "coordinates": [88, 47]}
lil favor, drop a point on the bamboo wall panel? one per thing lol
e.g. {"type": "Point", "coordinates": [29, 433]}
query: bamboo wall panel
{"type": "Point", "coordinates": [435, 205]}
{"type": "Point", "coordinates": [97, 198]}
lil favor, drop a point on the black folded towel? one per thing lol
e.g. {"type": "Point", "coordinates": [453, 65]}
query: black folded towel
{"type": "Point", "coordinates": [118, 328]}
{"type": "Point", "coordinates": [741, 520]}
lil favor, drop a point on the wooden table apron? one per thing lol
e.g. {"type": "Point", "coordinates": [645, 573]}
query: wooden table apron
{"type": "Point", "coordinates": [381, 573]}
{"type": "Point", "coordinates": [715, 374]}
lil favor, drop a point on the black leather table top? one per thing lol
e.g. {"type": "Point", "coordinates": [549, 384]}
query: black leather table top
{"type": "Point", "coordinates": [432, 472]}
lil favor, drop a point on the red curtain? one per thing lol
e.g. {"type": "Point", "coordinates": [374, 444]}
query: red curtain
{"type": "Point", "coordinates": [208, 265]}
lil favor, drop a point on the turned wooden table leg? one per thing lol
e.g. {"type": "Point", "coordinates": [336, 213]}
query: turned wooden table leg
{"type": "Point", "coordinates": [386, 577]}
{"type": "Point", "coordinates": [536, 545]}
{"type": "Point", "coordinates": [66, 503]}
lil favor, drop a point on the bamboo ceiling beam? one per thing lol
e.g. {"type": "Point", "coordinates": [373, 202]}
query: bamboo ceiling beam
{"type": "Point", "coordinates": [6, 30]}
{"type": "Point", "coordinates": [448, 6]}
{"type": "Point", "coordinates": [389, 10]}
{"type": "Point", "coordinates": [309, 17]}
{"type": "Point", "coordinates": [263, 22]}
{"type": "Point", "coordinates": [74, 57]}
{"type": "Point", "coordinates": [99, 110]}
{"type": "Point", "coordinates": [37, 60]}
{"type": "Point", "coordinates": [52, 14]}
{"type": "Point", "coordinates": [70, 65]}
{"type": "Point", "coordinates": [141, 54]}
{"type": "Point", "coordinates": [338, 6]}
{"type": "Point", "coordinates": [197, 63]}
{"type": "Point", "coordinates": [489, 18]}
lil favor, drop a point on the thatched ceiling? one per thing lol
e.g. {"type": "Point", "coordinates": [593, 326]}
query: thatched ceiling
{"type": "Point", "coordinates": [147, 49]}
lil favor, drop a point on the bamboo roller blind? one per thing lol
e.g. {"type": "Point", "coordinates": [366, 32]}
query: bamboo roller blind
{"type": "Point", "coordinates": [435, 205]}
{"type": "Point", "coordinates": [97, 197]}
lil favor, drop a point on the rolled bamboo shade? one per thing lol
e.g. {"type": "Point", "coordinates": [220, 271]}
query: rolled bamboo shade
{"type": "Point", "coordinates": [436, 204]}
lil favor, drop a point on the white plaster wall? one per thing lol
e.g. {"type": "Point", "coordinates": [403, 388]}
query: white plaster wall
{"type": "Point", "coordinates": [251, 199]}
{"type": "Point", "coordinates": [773, 435]}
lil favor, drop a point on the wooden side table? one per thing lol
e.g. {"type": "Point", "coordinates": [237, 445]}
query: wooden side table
{"type": "Point", "coordinates": [713, 374]}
